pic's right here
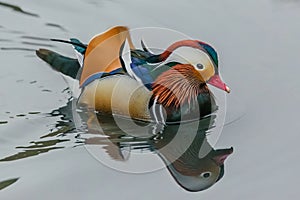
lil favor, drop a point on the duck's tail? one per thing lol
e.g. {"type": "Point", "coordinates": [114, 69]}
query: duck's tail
{"type": "Point", "coordinates": [68, 66]}
{"type": "Point", "coordinates": [65, 65]}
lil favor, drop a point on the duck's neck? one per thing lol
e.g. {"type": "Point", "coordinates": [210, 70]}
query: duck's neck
{"type": "Point", "coordinates": [181, 88]}
{"type": "Point", "coordinates": [185, 145]}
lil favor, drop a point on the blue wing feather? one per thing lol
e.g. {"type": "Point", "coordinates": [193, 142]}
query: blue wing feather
{"type": "Point", "coordinates": [143, 73]}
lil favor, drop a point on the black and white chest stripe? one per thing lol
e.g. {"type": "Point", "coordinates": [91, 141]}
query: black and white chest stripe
{"type": "Point", "coordinates": [158, 115]}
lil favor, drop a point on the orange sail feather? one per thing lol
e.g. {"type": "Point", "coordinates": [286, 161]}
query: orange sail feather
{"type": "Point", "coordinates": [102, 53]}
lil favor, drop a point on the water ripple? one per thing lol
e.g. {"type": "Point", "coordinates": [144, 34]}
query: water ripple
{"type": "Point", "coordinates": [17, 9]}
{"type": "Point", "coordinates": [56, 26]}
{"type": "Point", "coordinates": [6, 183]}
{"type": "Point", "coordinates": [38, 44]}
{"type": "Point", "coordinates": [34, 38]}
{"type": "Point", "coordinates": [16, 48]}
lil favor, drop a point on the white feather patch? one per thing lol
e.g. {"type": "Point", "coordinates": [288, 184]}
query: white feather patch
{"type": "Point", "coordinates": [126, 57]}
{"type": "Point", "coordinates": [79, 57]}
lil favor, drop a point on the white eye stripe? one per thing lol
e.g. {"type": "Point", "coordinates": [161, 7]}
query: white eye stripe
{"type": "Point", "coordinates": [190, 55]}
{"type": "Point", "coordinates": [184, 55]}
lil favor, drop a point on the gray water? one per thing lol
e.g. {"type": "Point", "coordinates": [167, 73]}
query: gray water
{"type": "Point", "coordinates": [258, 44]}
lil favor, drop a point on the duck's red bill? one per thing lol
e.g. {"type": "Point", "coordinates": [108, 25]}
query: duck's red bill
{"type": "Point", "coordinates": [218, 83]}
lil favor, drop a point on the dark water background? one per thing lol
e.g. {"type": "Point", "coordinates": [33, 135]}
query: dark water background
{"type": "Point", "coordinates": [258, 44]}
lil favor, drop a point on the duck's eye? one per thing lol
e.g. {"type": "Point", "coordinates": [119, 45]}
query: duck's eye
{"type": "Point", "coordinates": [205, 174]}
{"type": "Point", "coordinates": [199, 66]}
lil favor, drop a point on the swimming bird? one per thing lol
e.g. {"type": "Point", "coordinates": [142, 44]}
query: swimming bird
{"type": "Point", "coordinates": [166, 88]}
{"type": "Point", "coordinates": [117, 78]}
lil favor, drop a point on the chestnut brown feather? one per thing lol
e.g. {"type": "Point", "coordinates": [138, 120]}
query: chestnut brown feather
{"type": "Point", "coordinates": [179, 85]}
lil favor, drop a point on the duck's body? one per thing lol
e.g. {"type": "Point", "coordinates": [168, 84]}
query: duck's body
{"type": "Point", "coordinates": [122, 95]}
{"type": "Point", "coordinates": [118, 79]}
{"type": "Point", "coordinates": [118, 94]}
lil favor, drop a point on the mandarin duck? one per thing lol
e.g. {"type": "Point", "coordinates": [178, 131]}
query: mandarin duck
{"type": "Point", "coordinates": [116, 78]}
{"type": "Point", "coordinates": [184, 149]}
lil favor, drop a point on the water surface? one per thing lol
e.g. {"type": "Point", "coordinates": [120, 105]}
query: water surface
{"type": "Point", "coordinates": [42, 156]}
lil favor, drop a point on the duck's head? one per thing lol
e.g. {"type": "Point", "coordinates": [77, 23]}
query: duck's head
{"type": "Point", "coordinates": [195, 55]}
{"type": "Point", "coordinates": [195, 174]}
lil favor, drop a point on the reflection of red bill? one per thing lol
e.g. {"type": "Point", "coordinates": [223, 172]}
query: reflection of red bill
{"type": "Point", "coordinates": [217, 82]}
{"type": "Point", "coordinates": [222, 155]}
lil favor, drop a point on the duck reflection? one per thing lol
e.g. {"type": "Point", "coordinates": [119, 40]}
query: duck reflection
{"type": "Point", "coordinates": [193, 163]}
{"type": "Point", "coordinates": [184, 149]}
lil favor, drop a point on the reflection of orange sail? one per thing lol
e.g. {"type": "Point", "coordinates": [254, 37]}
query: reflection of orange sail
{"type": "Point", "coordinates": [102, 53]}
